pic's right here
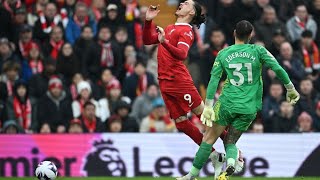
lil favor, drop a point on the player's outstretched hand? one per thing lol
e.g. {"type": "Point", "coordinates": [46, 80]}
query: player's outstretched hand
{"type": "Point", "coordinates": [152, 12]}
{"type": "Point", "coordinates": [292, 96]}
{"type": "Point", "coordinates": [208, 116]}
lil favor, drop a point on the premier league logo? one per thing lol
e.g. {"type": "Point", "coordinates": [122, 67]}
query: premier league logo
{"type": "Point", "coordinates": [310, 167]}
{"type": "Point", "coordinates": [104, 160]}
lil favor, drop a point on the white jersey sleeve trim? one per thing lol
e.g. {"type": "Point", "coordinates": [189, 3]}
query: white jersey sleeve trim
{"type": "Point", "coordinates": [184, 44]}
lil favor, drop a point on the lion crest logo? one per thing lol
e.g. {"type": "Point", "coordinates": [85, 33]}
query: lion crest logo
{"type": "Point", "coordinates": [104, 160]}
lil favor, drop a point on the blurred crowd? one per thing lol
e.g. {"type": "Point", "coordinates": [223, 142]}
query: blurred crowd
{"type": "Point", "coordinates": [77, 66]}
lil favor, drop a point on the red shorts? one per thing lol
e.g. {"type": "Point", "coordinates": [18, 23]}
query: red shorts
{"type": "Point", "coordinates": [180, 101]}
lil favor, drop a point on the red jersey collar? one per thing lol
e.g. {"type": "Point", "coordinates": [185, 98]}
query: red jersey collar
{"type": "Point", "coordinates": [183, 24]}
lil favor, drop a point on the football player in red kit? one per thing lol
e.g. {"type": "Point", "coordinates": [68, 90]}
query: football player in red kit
{"type": "Point", "coordinates": [176, 85]}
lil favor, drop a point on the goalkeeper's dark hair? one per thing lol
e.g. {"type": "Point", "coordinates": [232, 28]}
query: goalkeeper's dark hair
{"type": "Point", "coordinates": [243, 30]}
{"type": "Point", "coordinates": [198, 18]}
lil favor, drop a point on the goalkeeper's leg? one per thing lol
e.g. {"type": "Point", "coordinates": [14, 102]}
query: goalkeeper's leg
{"type": "Point", "coordinates": [231, 151]}
{"type": "Point", "coordinates": [210, 137]}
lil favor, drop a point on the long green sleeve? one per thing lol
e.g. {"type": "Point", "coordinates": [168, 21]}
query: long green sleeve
{"type": "Point", "coordinates": [271, 62]}
{"type": "Point", "coordinates": [216, 73]}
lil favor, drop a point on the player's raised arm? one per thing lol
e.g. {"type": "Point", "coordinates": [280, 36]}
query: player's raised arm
{"type": "Point", "coordinates": [184, 42]}
{"type": "Point", "coordinates": [150, 35]}
{"type": "Point", "coordinates": [270, 61]}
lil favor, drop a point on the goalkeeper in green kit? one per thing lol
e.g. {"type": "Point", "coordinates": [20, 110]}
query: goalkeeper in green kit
{"type": "Point", "coordinates": [240, 99]}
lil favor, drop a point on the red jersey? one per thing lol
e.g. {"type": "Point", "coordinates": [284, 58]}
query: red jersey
{"type": "Point", "coordinates": [171, 53]}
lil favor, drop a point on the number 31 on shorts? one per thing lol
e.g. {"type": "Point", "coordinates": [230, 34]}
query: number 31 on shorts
{"type": "Point", "coordinates": [187, 97]}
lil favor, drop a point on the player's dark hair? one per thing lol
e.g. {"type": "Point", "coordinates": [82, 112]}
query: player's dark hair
{"type": "Point", "coordinates": [243, 30]}
{"type": "Point", "coordinates": [306, 34]}
{"type": "Point", "coordinates": [198, 18]}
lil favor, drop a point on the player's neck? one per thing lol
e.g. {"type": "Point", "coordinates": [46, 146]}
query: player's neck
{"type": "Point", "coordinates": [237, 41]}
{"type": "Point", "coordinates": [183, 19]}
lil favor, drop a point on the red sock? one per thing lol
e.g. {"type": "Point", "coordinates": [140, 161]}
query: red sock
{"type": "Point", "coordinates": [188, 128]}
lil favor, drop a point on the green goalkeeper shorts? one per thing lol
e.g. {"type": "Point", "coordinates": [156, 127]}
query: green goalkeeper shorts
{"type": "Point", "coordinates": [224, 117]}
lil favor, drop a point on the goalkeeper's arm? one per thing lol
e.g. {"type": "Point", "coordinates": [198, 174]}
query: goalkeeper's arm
{"type": "Point", "coordinates": [208, 113]}
{"type": "Point", "coordinates": [216, 73]}
{"type": "Point", "coordinates": [269, 60]}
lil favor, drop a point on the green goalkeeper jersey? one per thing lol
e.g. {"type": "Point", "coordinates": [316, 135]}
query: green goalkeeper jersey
{"type": "Point", "coordinates": [242, 91]}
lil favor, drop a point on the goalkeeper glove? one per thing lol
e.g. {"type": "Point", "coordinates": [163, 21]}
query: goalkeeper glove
{"type": "Point", "coordinates": [292, 94]}
{"type": "Point", "coordinates": [208, 114]}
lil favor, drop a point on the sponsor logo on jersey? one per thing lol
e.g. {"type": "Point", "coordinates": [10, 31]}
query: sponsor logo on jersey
{"type": "Point", "coordinates": [216, 63]}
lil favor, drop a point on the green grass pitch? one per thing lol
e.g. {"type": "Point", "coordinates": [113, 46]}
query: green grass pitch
{"type": "Point", "coordinates": [166, 178]}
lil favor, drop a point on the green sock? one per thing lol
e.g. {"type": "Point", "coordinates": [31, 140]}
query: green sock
{"type": "Point", "coordinates": [231, 153]}
{"type": "Point", "coordinates": [201, 158]}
